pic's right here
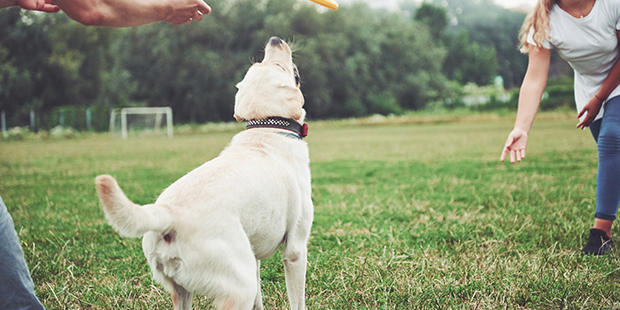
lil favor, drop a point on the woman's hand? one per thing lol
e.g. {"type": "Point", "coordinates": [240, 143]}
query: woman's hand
{"type": "Point", "coordinates": [47, 6]}
{"type": "Point", "coordinates": [592, 109]}
{"type": "Point", "coordinates": [186, 11]}
{"type": "Point", "coordinates": [515, 145]}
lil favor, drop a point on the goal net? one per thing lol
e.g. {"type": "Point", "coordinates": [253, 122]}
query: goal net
{"type": "Point", "coordinates": [141, 121]}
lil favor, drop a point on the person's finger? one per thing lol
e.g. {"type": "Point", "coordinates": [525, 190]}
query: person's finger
{"type": "Point", "coordinates": [585, 123]}
{"type": "Point", "coordinates": [504, 153]}
{"type": "Point", "coordinates": [510, 141]}
{"type": "Point", "coordinates": [582, 123]}
{"type": "Point", "coordinates": [50, 8]}
{"type": "Point", "coordinates": [203, 7]}
{"type": "Point", "coordinates": [506, 149]}
{"type": "Point", "coordinates": [583, 112]}
{"type": "Point", "coordinates": [512, 157]}
{"type": "Point", "coordinates": [522, 153]}
{"type": "Point", "coordinates": [198, 16]}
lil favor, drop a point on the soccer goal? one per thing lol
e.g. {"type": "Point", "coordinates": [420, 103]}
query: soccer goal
{"type": "Point", "coordinates": [142, 120]}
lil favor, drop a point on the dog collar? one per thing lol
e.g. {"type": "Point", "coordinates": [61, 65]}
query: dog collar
{"type": "Point", "coordinates": [301, 131]}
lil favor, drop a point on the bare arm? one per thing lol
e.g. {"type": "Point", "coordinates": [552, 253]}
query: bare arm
{"type": "Point", "coordinates": [594, 105]}
{"type": "Point", "coordinates": [529, 99]}
{"type": "Point", "coordinates": [35, 5]}
{"type": "Point", "coordinates": [127, 13]}
{"type": "Point", "coordinates": [119, 13]}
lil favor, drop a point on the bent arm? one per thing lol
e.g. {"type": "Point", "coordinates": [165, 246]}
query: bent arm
{"type": "Point", "coordinates": [128, 13]}
{"type": "Point", "coordinates": [592, 108]}
{"type": "Point", "coordinates": [612, 80]}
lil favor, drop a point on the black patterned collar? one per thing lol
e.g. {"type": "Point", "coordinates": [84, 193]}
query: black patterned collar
{"type": "Point", "coordinates": [300, 131]}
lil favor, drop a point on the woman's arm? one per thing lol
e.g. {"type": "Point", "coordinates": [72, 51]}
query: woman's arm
{"type": "Point", "coordinates": [529, 99]}
{"type": "Point", "coordinates": [119, 13]}
{"type": "Point", "coordinates": [35, 5]}
{"type": "Point", "coordinates": [127, 13]}
{"type": "Point", "coordinates": [594, 105]}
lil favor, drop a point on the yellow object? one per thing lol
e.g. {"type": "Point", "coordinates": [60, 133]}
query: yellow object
{"type": "Point", "coordinates": [330, 4]}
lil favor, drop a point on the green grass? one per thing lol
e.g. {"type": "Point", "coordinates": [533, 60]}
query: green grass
{"type": "Point", "coordinates": [410, 213]}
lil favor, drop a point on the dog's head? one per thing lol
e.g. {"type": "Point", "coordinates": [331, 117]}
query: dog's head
{"type": "Point", "coordinates": [271, 87]}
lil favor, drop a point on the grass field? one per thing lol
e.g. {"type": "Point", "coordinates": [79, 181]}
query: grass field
{"type": "Point", "coordinates": [415, 213]}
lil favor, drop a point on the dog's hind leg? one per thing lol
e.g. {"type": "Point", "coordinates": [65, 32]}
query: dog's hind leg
{"type": "Point", "coordinates": [258, 303]}
{"type": "Point", "coordinates": [181, 298]}
{"type": "Point", "coordinates": [232, 269]}
{"type": "Point", "coordinates": [294, 257]}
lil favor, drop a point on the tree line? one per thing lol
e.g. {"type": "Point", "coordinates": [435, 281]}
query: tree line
{"type": "Point", "coordinates": [353, 62]}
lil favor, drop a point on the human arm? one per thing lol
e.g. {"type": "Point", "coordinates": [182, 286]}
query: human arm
{"type": "Point", "coordinates": [35, 5]}
{"type": "Point", "coordinates": [594, 105]}
{"type": "Point", "coordinates": [128, 13]}
{"type": "Point", "coordinates": [529, 99]}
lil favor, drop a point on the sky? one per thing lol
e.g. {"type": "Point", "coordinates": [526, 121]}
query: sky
{"type": "Point", "coordinates": [393, 4]}
{"type": "Point", "coordinates": [515, 3]}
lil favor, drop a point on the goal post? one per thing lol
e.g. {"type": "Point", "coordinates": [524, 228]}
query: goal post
{"type": "Point", "coordinates": [157, 112]}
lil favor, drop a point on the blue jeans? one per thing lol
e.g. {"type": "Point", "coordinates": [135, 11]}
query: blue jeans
{"type": "Point", "coordinates": [606, 132]}
{"type": "Point", "coordinates": [16, 287]}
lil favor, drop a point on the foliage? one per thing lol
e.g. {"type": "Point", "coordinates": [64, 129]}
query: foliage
{"type": "Point", "coordinates": [466, 62]}
{"type": "Point", "coordinates": [494, 30]}
{"type": "Point", "coordinates": [435, 17]}
{"type": "Point", "coordinates": [559, 93]}
{"type": "Point", "coordinates": [407, 216]}
{"type": "Point", "coordinates": [354, 62]}
{"type": "Point", "coordinates": [473, 64]}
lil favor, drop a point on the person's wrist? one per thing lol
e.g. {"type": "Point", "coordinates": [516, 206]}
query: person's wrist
{"type": "Point", "coordinates": [521, 129]}
{"type": "Point", "coordinates": [599, 97]}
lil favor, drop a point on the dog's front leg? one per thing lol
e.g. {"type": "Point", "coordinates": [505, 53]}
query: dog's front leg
{"type": "Point", "coordinates": [181, 298]}
{"type": "Point", "coordinates": [294, 257]}
{"type": "Point", "coordinates": [258, 303]}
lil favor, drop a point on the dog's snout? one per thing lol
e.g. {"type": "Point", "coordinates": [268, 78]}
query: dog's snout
{"type": "Point", "coordinates": [275, 41]}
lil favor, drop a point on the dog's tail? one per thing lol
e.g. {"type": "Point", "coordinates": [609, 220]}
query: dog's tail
{"type": "Point", "coordinates": [128, 218]}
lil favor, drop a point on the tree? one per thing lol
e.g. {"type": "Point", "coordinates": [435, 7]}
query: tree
{"type": "Point", "coordinates": [355, 62]}
{"type": "Point", "coordinates": [23, 70]}
{"type": "Point", "coordinates": [489, 26]}
{"type": "Point", "coordinates": [434, 17]}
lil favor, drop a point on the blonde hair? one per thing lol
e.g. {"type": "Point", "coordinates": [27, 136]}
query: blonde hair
{"type": "Point", "coordinates": [539, 21]}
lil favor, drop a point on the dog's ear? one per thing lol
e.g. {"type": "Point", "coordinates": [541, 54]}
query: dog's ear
{"type": "Point", "coordinates": [294, 101]}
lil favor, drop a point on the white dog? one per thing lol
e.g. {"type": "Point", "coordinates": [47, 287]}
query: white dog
{"type": "Point", "coordinates": [208, 231]}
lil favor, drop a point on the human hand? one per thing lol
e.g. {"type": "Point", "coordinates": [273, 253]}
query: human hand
{"type": "Point", "coordinates": [184, 11]}
{"type": "Point", "coordinates": [515, 145]}
{"type": "Point", "coordinates": [592, 109]}
{"type": "Point", "coordinates": [47, 6]}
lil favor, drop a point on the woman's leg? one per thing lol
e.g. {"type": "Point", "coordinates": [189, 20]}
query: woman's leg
{"type": "Point", "coordinates": [602, 224]}
{"type": "Point", "coordinates": [606, 132]}
{"type": "Point", "coordinates": [16, 287]}
{"type": "Point", "coordinates": [608, 177]}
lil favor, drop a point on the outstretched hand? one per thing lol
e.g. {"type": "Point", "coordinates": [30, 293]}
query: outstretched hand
{"type": "Point", "coordinates": [47, 6]}
{"type": "Point", "coordinates": [185, 11]}
{"type": "Point", "coordinates": [592, 109]}
{"type": "Point", "coordinates": [515, 145]}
